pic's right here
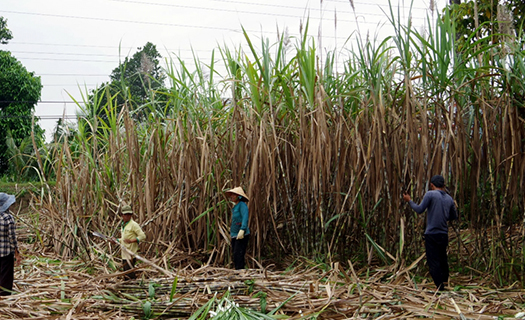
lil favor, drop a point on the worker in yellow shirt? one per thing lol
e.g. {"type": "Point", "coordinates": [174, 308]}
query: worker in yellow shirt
{"type": "Point", "coordinates": [131, 236]}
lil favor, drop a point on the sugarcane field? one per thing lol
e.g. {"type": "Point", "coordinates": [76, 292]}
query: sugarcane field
{"type": "Point", "coordinates": [384, 180]}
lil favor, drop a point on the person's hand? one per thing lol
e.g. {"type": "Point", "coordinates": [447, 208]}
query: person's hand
{"type": "Point", "coordinates": [130, 240]}
{"type": "Point", "coordinates": [240, 235]}
{"type": "Point", "coordinates": [406, 197]}
{"type": "Point", "coordinates": [18, 258]}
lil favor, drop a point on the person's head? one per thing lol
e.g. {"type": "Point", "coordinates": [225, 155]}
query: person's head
{"type": "Point", "coordinates": [236, 195]}
{"type": "Point", "coordinates": [437, 182]}
{"type": "Point", "coordinates": [6, 200]}
{"type": "Point", "coordinates": [126, 213]}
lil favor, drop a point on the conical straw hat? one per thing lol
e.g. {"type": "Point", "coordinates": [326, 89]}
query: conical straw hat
{"type": "Point", "coordinates": [238, 191]}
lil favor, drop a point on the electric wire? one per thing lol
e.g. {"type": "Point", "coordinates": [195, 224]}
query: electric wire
{"type": "Point", "coordinates": [45, 101]}
{"type": "Point", "coordinates": [264, 5]}
{"type": "Point", "coordinates": [235, 30]}
{"type": "Point", "coordinates": [216, 9]}
{"type": "Point", "coordinates": [67, 53]}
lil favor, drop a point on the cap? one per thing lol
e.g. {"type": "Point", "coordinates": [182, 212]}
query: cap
{"type": "Point", "coordinates": [438, 181]}
{"type": "Point", "coordinates": [126, 210]}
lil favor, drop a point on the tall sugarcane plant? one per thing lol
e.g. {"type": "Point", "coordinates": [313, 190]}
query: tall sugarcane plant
{"type": "Point", "coordinates": [324, 152]}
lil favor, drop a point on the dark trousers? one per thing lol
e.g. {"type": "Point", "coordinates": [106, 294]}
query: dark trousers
{"type": "Point", "coordinates": [127, 265]}
{"type": "Point", "coordinates": [239, 251]}
{"type": "Point", "coordinates": [436, 248]}
{"type": "Point", "coordinates": [7, 271]}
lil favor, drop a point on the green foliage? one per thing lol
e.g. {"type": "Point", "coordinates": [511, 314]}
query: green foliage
{"type": "Point", "coordinates": [173, 288]}
{"type": "Point", "coordinates": [20, 189]}
{"type": "Point", "coordinates": [464, 15]}
{"type": "Point", "coordinates": [512, 66]}
{"type": "Point", "coordinates": [63, 131]}
{"type": "Point", "coordinates": [151, 290]}
{"type": "Point", "coordinates": [517, 8]}
{"type": "Point", "coordinates": [490, 20]}
{"type": "Point", "coordinates": [19, 156]}
{"type": "Point", "coordinates": [146, 308]}
{"type": "Point", "coordinates": [262, 300]}
{"type": "Point", "coordinates": [138, 81]}
{"type": "Point", "coordinates": [250, 284]}
{"type": "Point", "coordinates": [5, 34]}
{"type": "Point", "coordinates": [19, 92]}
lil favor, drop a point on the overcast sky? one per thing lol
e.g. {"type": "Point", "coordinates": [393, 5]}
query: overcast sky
{"type": "Point", "coordinates": [76, 42]}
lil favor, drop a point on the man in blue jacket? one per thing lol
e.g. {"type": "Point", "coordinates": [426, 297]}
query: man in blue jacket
{"type": "Point", "coordinates": [440, 209]}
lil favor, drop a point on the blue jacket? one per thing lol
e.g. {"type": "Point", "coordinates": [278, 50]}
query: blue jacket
{"type": "Point", "coordinates": [239, 219]}
{"type": "Point", "coordinates": [440, 209]}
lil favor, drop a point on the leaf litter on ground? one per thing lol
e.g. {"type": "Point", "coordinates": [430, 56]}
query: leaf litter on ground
{"type": "Point", "coordinates": [47, 288]}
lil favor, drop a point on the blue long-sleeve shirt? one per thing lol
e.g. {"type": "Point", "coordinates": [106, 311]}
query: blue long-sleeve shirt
{"type": "Point", "coordinates": [239, 219]}
{"type": "Point", "coordinates": [440, 209]}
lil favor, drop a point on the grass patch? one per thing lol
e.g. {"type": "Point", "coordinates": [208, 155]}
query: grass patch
{"type": "Point", "coordinates": [20, 189]}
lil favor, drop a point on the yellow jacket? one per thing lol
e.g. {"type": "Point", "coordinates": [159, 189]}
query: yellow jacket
{"type": "Point", "coordinates": [131, 230]}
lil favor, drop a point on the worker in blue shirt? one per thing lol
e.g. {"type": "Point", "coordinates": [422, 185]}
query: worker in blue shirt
{"type": "Point", "coordinates": [440, 209]}
{"type": "Point", "coordinates": [239, 231]}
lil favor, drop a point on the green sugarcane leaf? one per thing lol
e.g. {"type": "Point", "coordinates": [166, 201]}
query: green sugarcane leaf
{"type": "Point", "coordinates": [146, 307]}
{"type": "Point", "coordinates": [173, 288]}
{"type": "Point", "coordinates": [151, 290]}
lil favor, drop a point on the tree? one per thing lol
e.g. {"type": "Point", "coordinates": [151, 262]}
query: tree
{"type": "Point", "coordinates": [500, 25]}
{"type": "Point", "coordinates": [141, 74]}
{"type": "Point", "coordinates": [19, 92]}
{"type": "Point", "coordinates": [134, 82]}
{"type": "Point", "coordinates": [517, 8]}
{"type": "Point", "coordinates": [5, 34]}
{"type": "Point", "coordinates": [493, 17]}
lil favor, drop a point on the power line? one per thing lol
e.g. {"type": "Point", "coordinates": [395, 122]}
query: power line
{"type": "Point", "coordinates": [91, 61]}
{"type": "Point", "coordinates": [32, 102]}
{"type": "Point", "coordinates": [368, 3]}
{"type": "Point", "coordinates": [290, 7]}
{"type": "Point", "coordinates": [214, 9]}
{"type": "Point", "coordinates": [260, 4]}
{"type": "Point", "coordinates": [122, 20]}
{"type": "Point", "coordinates": [94, 46]}
{"type": "Point", "coordinates": [72, 75]}
{"type": "Point", "coordinates": [152, 23]}
{"type": "Point", "coordinates": [113, 47]}
{"type": "Point", "coordinates": [68, 60]}
{"type": "Point", "coordinates": [67, 53]}
{"type": "Point", "coordinates": [42, 117]}
{"type": "Point", "coordinates": [266, 5]}
{"type": "Point", "coordinates": [225, 1]}
{"type": "Point", "coordinates": [67, 45]}
{"type": "Point", "coordinates": [82, 60]}
{"type": "Point", "coordinates": [69, 85]}
{"type": "Point", "coordinates": [71, 54]}
{"type": "Point", "coordinates": [51, 117]}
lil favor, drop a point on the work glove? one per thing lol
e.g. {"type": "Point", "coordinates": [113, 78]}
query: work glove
{"type": "Point", "coordinates": [240, 235]}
